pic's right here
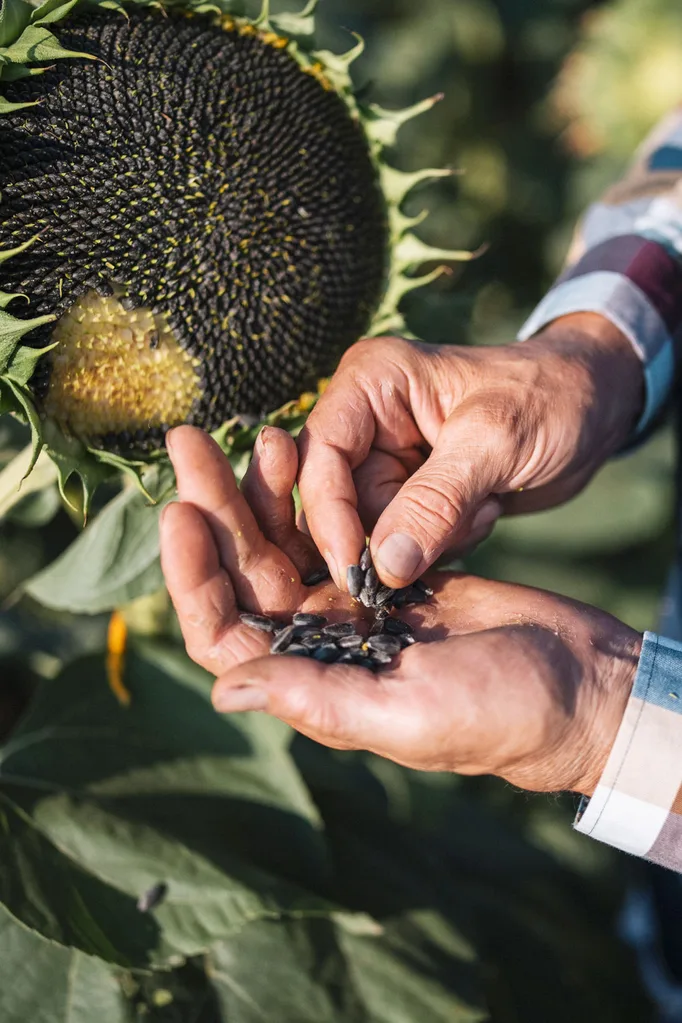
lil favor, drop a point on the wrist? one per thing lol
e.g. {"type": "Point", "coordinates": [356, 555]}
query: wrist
{"type": "Point", "coordinates": [596, 365]}
{"type": "Point", "coordinates": [614, 677]}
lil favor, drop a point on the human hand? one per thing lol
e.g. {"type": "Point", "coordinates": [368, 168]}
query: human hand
{"type": "Point", "coordinates": [506, 680]}
{"type": "Point", "coordinates": [424, 446]}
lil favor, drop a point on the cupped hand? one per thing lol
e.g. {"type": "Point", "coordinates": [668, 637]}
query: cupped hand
{"type": "Point", "coordinates": [424, 446]}
{"type": "Point", "coordinates": [504, 680]}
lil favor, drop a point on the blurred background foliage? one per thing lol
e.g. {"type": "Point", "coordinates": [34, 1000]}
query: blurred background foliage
{"type": "Point", "coordinates": [544, 102]}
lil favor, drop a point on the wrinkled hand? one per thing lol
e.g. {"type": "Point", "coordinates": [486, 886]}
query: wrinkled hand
{"type": "Point", "coordinates": [508, 680]}
{"type": "Point", "coordinates": [411, 442]}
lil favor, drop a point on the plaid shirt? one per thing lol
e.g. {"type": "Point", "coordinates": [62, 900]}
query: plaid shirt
{"type": "Point", "coordinates": [626, 263]}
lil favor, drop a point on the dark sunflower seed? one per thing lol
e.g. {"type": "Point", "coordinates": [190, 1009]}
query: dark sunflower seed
{"type": "Point", "coordinates": [406, 640]}
{"type": "Point", "coordinates": [363, 662]}
{"type": "Point", "coordinates": [381, 614]}
{"type": "Point", "coordinates": [346, 657]}
{"type": "Point", "coordinates": [420, 585]}
{"type": "Point", "coordinates": [319, 576]}
{"type": "Point", "coordinates": [355, 579]}
{"type": "Point", "coordinates": [259, 622]}
{"type": "Point", "coordinates": [303, 618]}
{"type": "Point", "coordinates": [328, 654]}
{"type": "Point", "coordinates": [383, 595]}
{"type": "Point", "coordinates": [377, 628]}
{"type": "Point", "coordinates": [379, 657]}
{"type": "Point", "coordinates": [313, 640]}
{"type": "Point", "coordinates": [339, 629]}
{"type": "Point", "coordinates": [350, 642]}
{"type": "Point", "coordinates": [153, 897]}
{"type": "Point", "coordinates": [384, 644]}
{"type": "Point", "coordinates": [366, 597]}
{"type": "Point", "coordinates": [283, 639]}
{"type": "Point", "coordinates": [408, 595]}
{"type": "Point", "coordinates": [296, 650]}
{"type": "Point", "coordinates": [396, 627]}
{"type": "Point", "coordinates": [366, 559]}
{"type": "Point", "coordinates": [372, 582]}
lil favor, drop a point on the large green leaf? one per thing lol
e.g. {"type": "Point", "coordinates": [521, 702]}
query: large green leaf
{"type": "Point", "coordinates": [101, 803]}
{"type": "Point", "coordinates": [42, 982]}
{"type": "Point", "coordinates": [337, 971]}
{"type": "Point", "coordinates": [14, 17]}
{"type": "Point", "coordinates": [114, 560]}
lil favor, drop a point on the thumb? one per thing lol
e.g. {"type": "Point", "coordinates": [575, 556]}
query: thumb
{"type": "Point", "coordinates": [337, 705]}
{"type": "Point", "coordinates": [444, 502]}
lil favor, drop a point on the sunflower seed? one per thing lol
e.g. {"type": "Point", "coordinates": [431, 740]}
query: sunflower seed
{"type": "Point", "coordinates": [296, 650]}
{"type": "Point", "coordinates": [384, 644]}
{"type": "Point", "coordinates": [363, 662]}
{"type": "Point", "coordinates": [420, 585]}
{"type": "Point", "coordinates": [372, 582]}
{"type": "Point", "coordinates": [350, 642]}
{"type": "Point", "coordinates": [355, 578]}
{"type": "Point", "coordinates": [259, 622]}
{"type": "Point", "coordinates": [346, 657]}
{"type": "Point", "coordinates": [396, 627]}
{"type": "Point", "coordinates": [383, 595]}
{"type": "Point", "coordinates": [303, 618]}
{"type": "Point", "coordinates": [366, 559]}
{"type": "Point", "coordinates": [153, 897]}
{"type": "Point", "coordinates": [320, 575]}
{"type": "Point", "coordinates": [313, 640]}
{"type": "Point", "coordinates": [381, 614]}
{"type": "Point", "coordinates": [283, 639]}
{"type": "Point", "coordinates": [406, 641]}
{"type": "Point", "coordinates": [366, 597]}
{"type": "Point", "coordinates": [377, 628]}
{"type": "Point", "coordinates": [328, 654]}
{"type": "Point", "coordinates": [339, 629]}
{"type": "Point", "coordinates": [379, 657]}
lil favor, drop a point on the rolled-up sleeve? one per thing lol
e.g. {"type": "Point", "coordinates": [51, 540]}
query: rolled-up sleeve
{"type": "Point", "coordinates": [637, 804]}
{"type": "Point", "coordinates": [626, 264]}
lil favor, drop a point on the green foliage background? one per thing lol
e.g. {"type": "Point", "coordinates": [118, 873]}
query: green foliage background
{"type": "Point", "coordinates": [489, 906]}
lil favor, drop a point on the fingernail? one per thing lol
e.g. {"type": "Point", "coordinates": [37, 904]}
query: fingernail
{"type": "Point", "coordinates": [234, 701]}
{"type": "Point", "coordinates": [263, 436]}
{"type": "Point", "coordinates": [399, 556]}
{"type": "Point", "coordinates": [487, 514]}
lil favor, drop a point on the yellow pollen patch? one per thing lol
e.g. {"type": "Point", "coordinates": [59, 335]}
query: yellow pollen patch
{"type": "Point", "coordinates": [115, 370]}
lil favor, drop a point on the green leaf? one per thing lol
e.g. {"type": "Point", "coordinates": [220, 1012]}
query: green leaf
{"type": "Point", "coordinates": [6, 107]}
{"type": "Point", "coordinates": [11, 332]}
{"type": "Point", "coordinates": [45, 983]}
{"type": "Point", "coordinates": [7, 297]}
{"type": "Point", "coordinates": [14, 486]}
{"type": "Point", "coordinates": [342, 970]}
{"type": "Point", "coordinates": [23, 400]}
{"type": "Point", "coordinates": [14, 17]}
{"type": "Point", "coordinates": [38, 44]}
{"type": "Point", "coordinates": [99, 803]}
{"type": "Point", "coordinates": [113, 561]}
{"type": "Point", "coordinates": [52, 10]}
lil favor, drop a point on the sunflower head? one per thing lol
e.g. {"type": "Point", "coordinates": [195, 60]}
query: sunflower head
{"type": "Point", "coordinates": [197, 210]}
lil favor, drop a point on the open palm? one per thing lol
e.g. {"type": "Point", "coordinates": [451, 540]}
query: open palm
{"type": "Point", "coordinates": [504, 679]}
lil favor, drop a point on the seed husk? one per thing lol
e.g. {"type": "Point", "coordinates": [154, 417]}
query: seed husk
{"type": "Point", "coordinates": [350, 642]}
{"type": "Point", "coordinates": [305, 618]}
{"type": "Point", "coordinates": [383, 595]}
{"type": "Point", "coordinates": [339, 629]}
{"type": "Point", "coordinates": [384, 644]}
{"type": "Point", "coordinates": [355, 579]}
{"type": "Point", "coordinates": [381, 658]}
{"type": "Point", "coordinates": [259, 622]}
{"type": "Point", "coordinates": [312, 640]}
{"type": "Point", "coordinates": [372, 582]}
{"type": "Point", "coordinates": [397, 627]}
{"type": "Point", "coordinates": [366, 559]}
{"type": "Point", "coordinates": [366, 597]}
{"type": "Point", "coordinates": [296, 650]}
{"type": "Point", "coordinates": [406, 640]}
{"type": "Point", "coordinates": [283, 639]}
{"type": "Point", "coordinates": [420, 585]}
{"type": "Point", "coordinates": [328, 654]}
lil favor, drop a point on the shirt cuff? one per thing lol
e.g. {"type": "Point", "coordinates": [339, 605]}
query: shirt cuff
{"type": "Point", "coordinates": [637, 284]}
{"type": "Point", "coordinates": [637, 805]}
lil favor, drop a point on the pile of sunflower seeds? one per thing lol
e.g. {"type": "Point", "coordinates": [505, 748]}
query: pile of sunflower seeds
{"type": "Point", "coordinates": [311, 635]}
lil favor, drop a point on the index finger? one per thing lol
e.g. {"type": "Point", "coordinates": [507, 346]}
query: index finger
{"type": "Point", "coordinates": [335, 440]}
